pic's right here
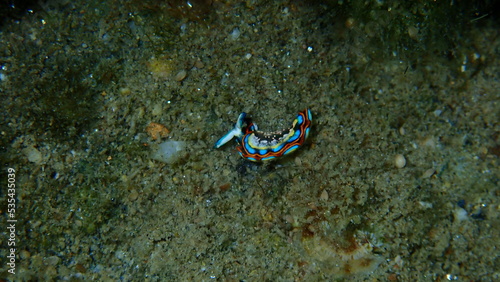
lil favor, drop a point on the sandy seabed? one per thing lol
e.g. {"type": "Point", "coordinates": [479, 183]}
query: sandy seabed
{"type": "Point", "coordinates": [398, 181]}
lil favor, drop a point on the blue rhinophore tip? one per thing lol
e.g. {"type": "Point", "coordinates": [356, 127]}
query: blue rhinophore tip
{"type": "Point", "coordinates": [235, 132]}
{"type": "Point", "coordinates": [241, 119]}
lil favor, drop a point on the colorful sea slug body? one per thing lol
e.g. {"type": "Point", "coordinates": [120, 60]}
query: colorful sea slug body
{"type": "Point", "coordinates": [258, 146]}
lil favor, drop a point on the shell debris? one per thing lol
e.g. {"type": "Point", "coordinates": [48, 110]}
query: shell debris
{"type": "Point", "coordinates": [157, 131]}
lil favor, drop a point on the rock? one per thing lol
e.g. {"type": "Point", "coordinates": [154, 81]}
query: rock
{"type": "Point", "coordinates": [33, 154]}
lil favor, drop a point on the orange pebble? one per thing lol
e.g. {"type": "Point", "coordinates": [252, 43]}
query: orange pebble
{"type": "Point", "coordinates": [156, 130]}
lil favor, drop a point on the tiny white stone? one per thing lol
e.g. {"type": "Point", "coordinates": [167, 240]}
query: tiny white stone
{"type": "Point", "coordinates": [235, 34]}
{"type": "Point", "coordinates": [459, 214]}
{"type": "Point", "coordinates": [425, 205]}
{"type": "Point", "coordinates": [400, 161]}
{"type": "Point", "coordinates": [402, 130]}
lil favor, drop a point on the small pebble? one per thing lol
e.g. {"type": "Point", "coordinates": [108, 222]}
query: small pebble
{"type": "Point", "coordinates": [400, 161]}
{"type": "Point", "coordinates": [425, 205]}
{"type": "Point", "coordinates": [428, 173]}
{"type": "Point", "coordinates": [133, 195]}
{"type": "Point", "coordinates": [125, 91]}
{"type": "Point", "coordinates": [413, 32]}
{"type": "Point", "coordinates": [199, 64]}
{"type": "Point", "coordinates": [324, 196]}
{"type": "Point", "coordinates": [157, 109]}
{"type": "Point", "coordinates": [429, 142]}
{"type": "Point", "coordinates": [33, 154]}
{"type": "Point", "coordinates": [80, 268]}
{"type": "Point", "coordinates": [235, 33]}
{"type": "Point", "coordinates": [181, 75]}
{"type": "Point", "coordinates": [459, 214]}
{"type": "Point", "coordinates": [349, 23]}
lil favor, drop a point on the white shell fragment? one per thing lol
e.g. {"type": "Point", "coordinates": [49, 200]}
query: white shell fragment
{"type": "Point", "coordinates": [169, 151]}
